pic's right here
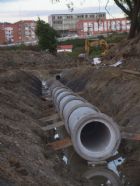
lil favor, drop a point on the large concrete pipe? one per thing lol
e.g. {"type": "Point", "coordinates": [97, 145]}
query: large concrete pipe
{"type": "Point", "coordinates": [95, 136]}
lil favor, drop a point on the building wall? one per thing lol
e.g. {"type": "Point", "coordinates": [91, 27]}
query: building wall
{"type": "Point", "coordinates": [67, 22]}
{"type": "Point", "coordinates": [93, 28]}
{"type": "Point", "coordinates": [9, 34]}
{"type": "Point", "coordinates": [17, 33]}
{"type": "Point", "coordinates": [2, 34]}
{"type": "Point", "coordinates": [21, 31]}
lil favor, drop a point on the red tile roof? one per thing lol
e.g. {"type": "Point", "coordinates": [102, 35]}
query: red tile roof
{"type": "Point", "coordinates": [64, 46]}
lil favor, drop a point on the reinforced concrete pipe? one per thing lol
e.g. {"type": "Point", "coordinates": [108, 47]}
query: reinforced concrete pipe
{"type": "Point", "coordinates": [95, 136]}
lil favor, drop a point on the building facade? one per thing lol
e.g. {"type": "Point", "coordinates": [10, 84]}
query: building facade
{"type": "Point", "coordinates": [2, 34]}
{"type": "Point", "coordinates": [19, 32]}
{"type": "Point", "coordinates": [66, 23]}
{"type": "Point", "coordinates": [93, 27]}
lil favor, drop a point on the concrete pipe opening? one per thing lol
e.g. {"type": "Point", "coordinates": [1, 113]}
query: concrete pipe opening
{"type": "Point", "coordinates": [95, 136]}
{"type": "Point", "coordinates": [58, 77]}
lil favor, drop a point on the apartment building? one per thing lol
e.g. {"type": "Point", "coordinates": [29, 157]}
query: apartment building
{"type": "Point", "coordinates": [25, 31]}
{"type": "Point", "coordinates": [66, 23]}
{"type": "Point", "coordinates": [19, 32]}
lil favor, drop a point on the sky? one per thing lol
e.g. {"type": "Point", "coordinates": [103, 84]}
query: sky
{"type": "Point", "coordinates": [15, 10]}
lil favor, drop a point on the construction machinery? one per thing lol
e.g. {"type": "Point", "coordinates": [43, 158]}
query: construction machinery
{"type": "Point", "coordinates": [90, 43]}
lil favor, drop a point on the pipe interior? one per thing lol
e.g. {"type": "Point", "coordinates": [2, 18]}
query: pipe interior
{"type": "Point", "coordinates": [58, 77]}
{"type": "Point", "coordinates": [95, 136]}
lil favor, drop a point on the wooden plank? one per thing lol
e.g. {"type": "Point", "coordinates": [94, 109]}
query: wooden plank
{"type": "Point", "coordinates": [60, 144]}
{"type": "Point", "coordinates": [131, 136]}
{"type": "Point", "coordinates": [52, 126]}
{"type": "Point", "coordinates": [131, 72]}
{"type": "Point", "coordinates": [53, 117]}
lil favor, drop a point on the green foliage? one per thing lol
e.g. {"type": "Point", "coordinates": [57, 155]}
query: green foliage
{"type": "Point", "coordinates": [79, 44]}
{"type": "Point", "coordinates": [116, 37]}
{"type": "Point", "coordinates": [75, 42]}
{"type": "Point", "coordinates": [46, 36]}
{"type": "Point", "coordinates": [76, 51]}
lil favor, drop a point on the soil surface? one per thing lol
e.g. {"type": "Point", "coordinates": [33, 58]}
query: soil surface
{"type": "Point", "coordinates": [25, 158]}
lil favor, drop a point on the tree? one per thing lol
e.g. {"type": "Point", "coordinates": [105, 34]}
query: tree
{"type": "Point", "coordinates": [46, 36]}
{"type": "Point", "coordinates": [132, 9]}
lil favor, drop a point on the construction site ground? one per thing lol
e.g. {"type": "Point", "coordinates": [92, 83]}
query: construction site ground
{"type": "Point", "coordinates": [25, 158]}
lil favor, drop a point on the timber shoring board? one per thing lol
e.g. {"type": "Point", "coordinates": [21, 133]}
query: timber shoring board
{"type": "Point", "coordinates": [131, 72]}
{"type": "Point", "coordinates": [60, 144]}
{"type": "Point", "coordinates": [131, 136]}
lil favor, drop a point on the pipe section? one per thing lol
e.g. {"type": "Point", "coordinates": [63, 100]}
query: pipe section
{"type": "Point", "coordinates": [95, 136]}
{"type": "Point", "coordinates": [102, 174]}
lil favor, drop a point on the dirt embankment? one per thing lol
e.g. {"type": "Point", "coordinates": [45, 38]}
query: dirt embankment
{"type": "Point", "coordinates": [24, 157]}
{"type": "Point", "coordinates": [127, 51]}
{"type": "Point", "coordinates": [115, 92]}
{"type": "Point", "coordinates": [30, 60]}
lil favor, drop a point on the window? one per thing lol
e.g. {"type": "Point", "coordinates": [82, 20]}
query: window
{"type": "Point", "coordinates": [80, 16]}
{"type": "Point", "coordinates": [59, 17]}
{"type": "Point", "coordinates": [69, 17]}
{"type": "Point", "coordinates": [57, 22]}
{"type": "Point", "coordinates": [92, 16]}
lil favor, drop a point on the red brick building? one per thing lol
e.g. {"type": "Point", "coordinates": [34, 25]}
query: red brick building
{"type": "Point", "coordinates": [19, 32]}
{"type": "Point", "coordinates": [2, 34]}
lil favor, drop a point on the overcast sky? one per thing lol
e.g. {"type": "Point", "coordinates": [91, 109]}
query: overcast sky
{"type": "Point", "coordinates": [14, 10]}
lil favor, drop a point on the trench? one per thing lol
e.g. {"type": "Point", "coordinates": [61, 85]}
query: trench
{"type": "Point", "coordinates": [107, 173]}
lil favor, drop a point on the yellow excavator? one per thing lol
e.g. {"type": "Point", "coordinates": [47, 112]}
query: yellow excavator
{"type": "Point", "coordinates": [90, 43]}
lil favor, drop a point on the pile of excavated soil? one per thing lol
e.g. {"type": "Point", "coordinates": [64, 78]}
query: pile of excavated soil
{"type": "Point", "coordinates": [25, 59]}
{"type": "Point", "coordinates": [24, 157]}
{"type": "Point", "coordinates": [128, 51]}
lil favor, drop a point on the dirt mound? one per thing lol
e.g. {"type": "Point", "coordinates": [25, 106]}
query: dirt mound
{"type": "Point", "coordinates": [12, 58]}
{"type": "Point", "coordinates": [127, 51]}
{"type": "Point", "coordinates": [24, 59]}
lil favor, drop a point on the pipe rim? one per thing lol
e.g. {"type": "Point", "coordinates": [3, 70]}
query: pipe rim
{"type": "Point", "coordinates": [94, 156]}
{"type": "Point", "coordinates": [69, 100]}
{"type": "Point", "coordinates": [84, 104]}
{"type": "Point", "coordinates": [57, 92]}
{"type": "Point", "coordinates": [57, 88]}
{"type": "Point", "coordinates": [57, 102]}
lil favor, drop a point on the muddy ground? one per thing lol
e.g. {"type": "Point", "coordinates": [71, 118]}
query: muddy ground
{"type": "Point", "coordinates": [25, 158]}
